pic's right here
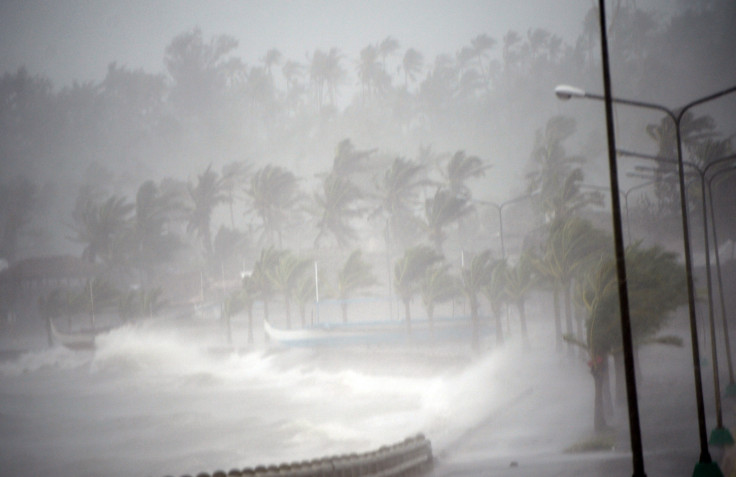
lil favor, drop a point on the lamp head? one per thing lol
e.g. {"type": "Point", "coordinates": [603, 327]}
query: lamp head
{"type": "Point", "coordinates": [566, 92]}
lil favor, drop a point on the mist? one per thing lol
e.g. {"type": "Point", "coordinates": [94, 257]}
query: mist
{"type": "Point", "coordinates": [309, 228]}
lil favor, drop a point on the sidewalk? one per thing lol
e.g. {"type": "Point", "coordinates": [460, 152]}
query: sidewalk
{"type": "Point", "coordinates": [513, 444]}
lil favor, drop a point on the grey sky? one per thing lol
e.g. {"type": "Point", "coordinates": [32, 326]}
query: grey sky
{"type": "Point", "coordinates": [76, 39]}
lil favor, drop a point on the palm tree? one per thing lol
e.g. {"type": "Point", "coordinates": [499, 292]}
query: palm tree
{"type": "Point", "coordinates": [460, 169]}
{"type": "Point", "coordinates": [412, 63]}
{"type": "Point", "coordinates": [495, 292]}
{"type": "Point", "coordinates": [155, 209]}
{"type": "Point", "coordinates": [260, 279]}
{"type": "Point", "coordinates": [655, 282]}
{"type": "Point", "coordinates": [373, 78]}
{"type": "Point", "coordinates": [97, 295]}
{"type": "Point", "coordinates": [572, 246]}
{"type": "Point", "coordinates": [337, 205]}
{"type": "Point", "coordinates": [234, 174]}
{"type": "Point", "coordinates": [386, 48]}
{"type": "Point", "coordinates": [247, 295]}
{"type": "Point", "coordinates": [438, 285]}
{"type": "Point", "coordinates": [397, 195]}
{"type": "Point", "coordinates": [205, 196]}
{"type": "Point", "coordinates": [355, 275]}
{"type": "Point", "coordinates": [408, 273]}
{"type": "Point", "coordinates": [349, 160]}
{"type": "Point", "coordinates": [325, 73]}
{"type": "Point", "coordinates": [442, 210]}
{"type": "Point", "coordinates": [473, 279]}
{"type": "Point", "coordinates": [304, 293]}
{"type": "Point", "coordinates": [273, 193]}
{"type": "Point", "coordinates": [285, 276]}
{"type": "Point", "coordinates": [520, 279]}
{"type": "Point", "coordinates": [99, 226]}
{"type": "Point", "coordinates": [554, 184]}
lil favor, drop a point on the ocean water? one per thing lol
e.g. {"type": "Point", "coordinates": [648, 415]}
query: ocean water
{"type": "Point", "coordinates": [156, 399]}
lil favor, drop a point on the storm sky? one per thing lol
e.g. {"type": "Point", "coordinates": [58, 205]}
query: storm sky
{"type": "Point", "coordinates": [76, 39]}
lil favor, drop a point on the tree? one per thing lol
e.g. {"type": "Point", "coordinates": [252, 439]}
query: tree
{"type": "Point", "coordinates": [520, 279]}
{"type": "Point", "coordinates": [140, 302]}
{"type": "Point", "coordinates": [234, 174]}
{"type": "Point", "coordinates": [438, 285]}
{"type": "Point", "coordinates": [304, 293]}
{"type": "Point", "coordinates": [155, 210]}
{"type": "Point", "coordinates": [260, 279]}
{"type": "Point", "coordinates": [656, 284]}
{"type": "Point", "coordinates": [199, 69]}
{"type": "Point", "coordinates": [693, 131]}
{"type": "Point", "coordinates": [397, 195]}
{"type": "Point", "coordinates": [571, 247]}
{"type": "Point", "coordinates": [412, 63]}
{"type": "Point", "coordinates": [442, 210]}
{"type": "Point", "coordinates": [554, 184]}
{"type": "Point", "coordinates": [18, 200]}
{"type": "Point", "coordinates": [273, 192]}
{"type": "Point", "coordinates": [338, 203]}
{"type": "Point", "coordinates": [495, 292]}
{"type": "Point", "coordinates": [284, 276]}
{"type": "Point", "coordinates": [205, 196]}
{"type": "Point", "coordinates": [460, 169]}
{"type": "Point", "coordinates": [355, 275]}
{"type": "Point", "coordinates": [408, 273]}
{"type": "Point", "coordinates": [325, 74]}
{"type": "Point", "coordinates": [473, 279]}
{"type": "Point", "coordinates": [99, 226]}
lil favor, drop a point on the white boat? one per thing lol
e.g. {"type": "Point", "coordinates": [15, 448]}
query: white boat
{"type": "Point", "coordinates": [77, 340]}
{"type": "Point", "coordinates": [376, 332]}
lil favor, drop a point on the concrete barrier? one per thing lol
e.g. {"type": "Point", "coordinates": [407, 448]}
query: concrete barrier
{"type": "Point", "coordinates": [411, 457]}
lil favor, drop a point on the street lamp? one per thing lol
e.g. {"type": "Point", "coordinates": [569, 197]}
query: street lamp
{"type": "Point", "coordinates": [618, 239]}
{"type": "Point", "coordinates": [731, 388]}
{"type": "Point", "coordinates": [705, 466]}
{"type": "Point", "coordinates": [499, 208]}
{"type": "Point", "coordinates": [720, 435]}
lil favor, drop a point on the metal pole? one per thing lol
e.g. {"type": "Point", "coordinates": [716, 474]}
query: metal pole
{"type": "Point", "coordinates": [634, 427]}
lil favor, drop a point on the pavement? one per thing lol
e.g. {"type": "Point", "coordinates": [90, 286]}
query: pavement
{"type": "Point", "coordinates": [534, 432]}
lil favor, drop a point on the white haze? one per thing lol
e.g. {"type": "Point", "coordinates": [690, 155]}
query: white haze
{"type": "Point", "coordinates": [153, 401]}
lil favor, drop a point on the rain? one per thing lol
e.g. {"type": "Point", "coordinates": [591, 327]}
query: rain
{"type": "Point", "coordinates": [241, 235]}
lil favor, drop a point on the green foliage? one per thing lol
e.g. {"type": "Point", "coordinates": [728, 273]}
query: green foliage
{"type": "Point", "coordinates": [442, 210]}
{"type": "Point", "coordinates": [656, 287]}
{"type": "Point", "coordinates": [273, 193]}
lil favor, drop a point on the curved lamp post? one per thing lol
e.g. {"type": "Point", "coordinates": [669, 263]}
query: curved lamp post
{"type": "Point", "coordinates": [731, 388]}
{"type": "Point", "coordinates": [499, 208]}
{"type": "Point", "coordinates": [705, 465]}
{"type": "Point", "coordinates": [720, 435]}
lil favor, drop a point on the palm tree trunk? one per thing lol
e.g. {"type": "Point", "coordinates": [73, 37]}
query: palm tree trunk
{"type": "Point", "coordinates": [499, 325]}
{"type": "Point", "coordinates": [250, 325]}
{"type": "Point", "coordinates": [476, 325]}
{"type": "Point", "coordinates": [287, 303]}
{"type": "Point", "coordinates": [568, 315]}
{"type": "Point", "coordinates": [520, 305]}
{"type": "Point", "coordinates": [558, 318]}
{"type": "Point", "coordinates": [407, 313]}
{"type": "Point", "coordinates": [599, 418]}
{"type": "Point", "coordinates": [620, 379]}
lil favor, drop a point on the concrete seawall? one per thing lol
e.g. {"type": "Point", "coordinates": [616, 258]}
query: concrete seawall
{"type": "Point", "coordinates": [411, 457]}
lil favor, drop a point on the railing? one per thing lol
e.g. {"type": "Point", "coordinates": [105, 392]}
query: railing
{"type": "Point", "coordinates": [411, 457]}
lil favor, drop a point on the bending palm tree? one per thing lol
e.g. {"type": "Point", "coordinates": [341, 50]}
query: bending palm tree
{"type": "Point", "coordinates": [442, 210]}
{"type": "Point", "coordinates": [408, 273]}
{"type": "Point", "coordinates": [473, 279]}
{"type": "Point", "coordinates": [205, 196]}
{"type": "Point", "coordinates": [273, 192]}
{"type": "Point", "coordinates": [355, 275]}
{"type": "Point", "coordinates": [338, 203]}
{"type": "Point", "coordinates": [437, 286]}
